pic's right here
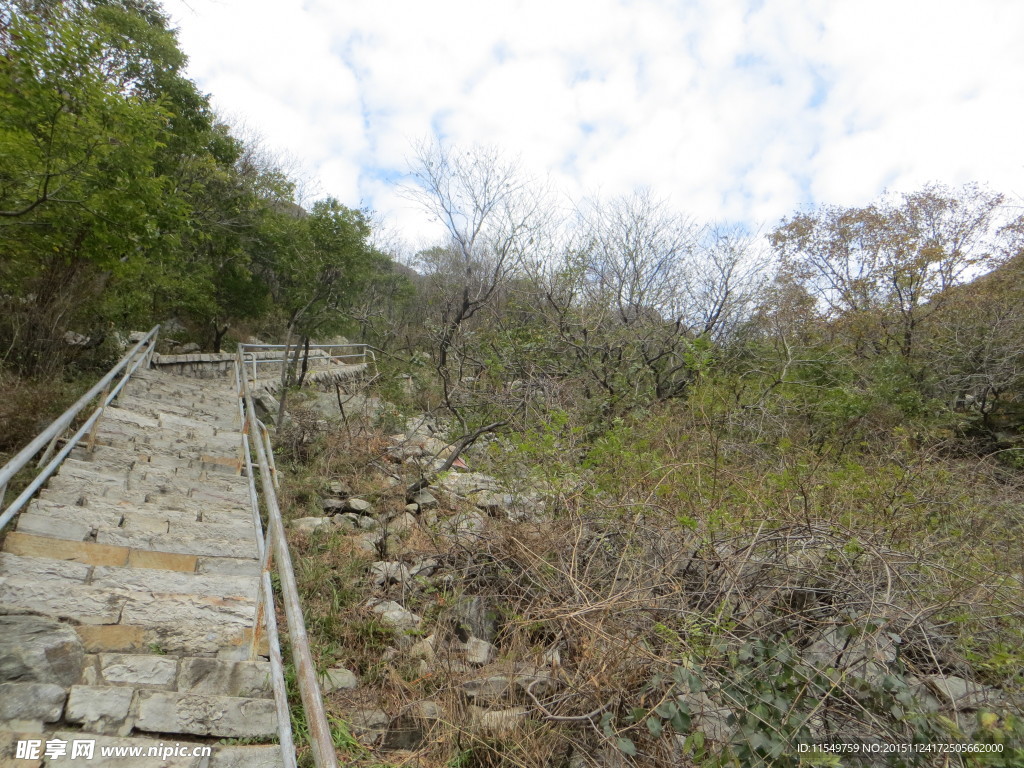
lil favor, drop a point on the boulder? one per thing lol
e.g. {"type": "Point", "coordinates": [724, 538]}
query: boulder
{"type": "Point", "coordinates": [369, 724]}
{"type": "Point", "coordinates": [359, 506]}
{"type": "Point", "coordinates": [309, 524]}
{"type": "Point", "coordinates": [402, 522]}
{"type": "Point", "coordinates": [394, 615]}
{"type": "Point", "coordinates": [498, 722]}
{"type": "Point", "coordinates": [333, 506]}
{"type": "Point", "coordinates": [423, 500]}
{"type": "Point", "coordinates": [479, 652]}
{"type": "Point", "coordinates": [338, 679]}
{"type": "Point", "coordinates": [384, 573]}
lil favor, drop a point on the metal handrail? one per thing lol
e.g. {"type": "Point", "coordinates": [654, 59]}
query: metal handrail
{"type": "Point", "coordinates": [265, 600]}
{"type": "Point", "coordinates": [321, 741]}
{"type": "Point", "coordinates": [140, 353]}
{"type": "Point", "coordinates": [249, 354]}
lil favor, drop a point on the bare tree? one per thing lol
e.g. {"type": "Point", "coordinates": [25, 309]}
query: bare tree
{"type": "Point", "coordinates": [492, 212]}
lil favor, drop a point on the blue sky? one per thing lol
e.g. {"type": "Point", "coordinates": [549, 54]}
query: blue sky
{"type": "Point", "coordinates": [731, 109]}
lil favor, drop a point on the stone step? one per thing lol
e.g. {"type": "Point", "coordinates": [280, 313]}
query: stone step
{"type": "Point", "coordinates": [162, 392]}
{"type": "Point", "coordinates": [221, 756]}
{"type": "Point", "coordinates": [183, 461]}
{"type": "Point", "coordinates": [210, 539]}
{"type": "Point", "coordinates": [182, 429]}
{"type": "Point", "coordinates": [185, 674]}
{"type": "Point", "coordinates": [184, 623]}
{"type": "Point", "coordinates": [151, 516]}
{"type": "Point", "coordinates": [160, 581]}
{"type": "Point", "coordinates": [78, 490]}
{"type": "Point", "coordinates": [141, 440]}
{"type": "Point", "coordinates": [177, 507]}
{"type": "Point", "coordinates": [108, 709]}
{"type": "Point", "coordinates": [91, 553]}
{"type": "Point", "coordinates": [213, 413]}
{"type": "Point", "coordinates": [158, 479]}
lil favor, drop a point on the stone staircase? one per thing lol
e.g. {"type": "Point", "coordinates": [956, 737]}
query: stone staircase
{"type": "Point", "coordinates": [128, 591]}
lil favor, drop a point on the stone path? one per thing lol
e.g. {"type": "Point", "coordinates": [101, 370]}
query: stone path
{"type": "Point", "coordinates": [128, 591]}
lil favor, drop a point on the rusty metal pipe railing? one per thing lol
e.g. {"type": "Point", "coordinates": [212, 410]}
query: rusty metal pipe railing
{"type": "Point", "coordinates": [141, 353]}
{"type": "Point", "coordinates": [265, 602]}
{"type": "Point", "coordinates": [250, 354]}
{"type": "Point", "coordinates": [321, 741]}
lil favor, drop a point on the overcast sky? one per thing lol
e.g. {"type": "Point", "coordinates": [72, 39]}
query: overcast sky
{"type": "Point", "coordinates": [739, 110]}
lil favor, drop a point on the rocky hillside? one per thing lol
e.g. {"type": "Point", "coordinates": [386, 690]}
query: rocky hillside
{"type": "Point", "coordinates": [525, 609]}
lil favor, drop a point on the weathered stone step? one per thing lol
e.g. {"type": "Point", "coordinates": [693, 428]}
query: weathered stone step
{"type": "Point", "coordinates": [198, 408]}
{"type": "Point", "coordinates": [91, 553]}
{"type": "Point", "coordinates": [183, 623]}
{"type": "Point", "coordinates": [182, 461]}
{"type": "Point", "coordinates": [151, 516]}
{"type": "Point", "coordinates": [163, 393]}
{"type": "Point", "coordinates": [157, 479]}
{"type": "Point", "coordinates": [180, 427]}
{"type": "Point", "coordinates": [73, 490]}
{"type": "Point", "coordinates": [221, 755]}
{"type": "Point", "coordinates": [185, 508]}
{"type": "Point", "coordinates": [211, 539]}
{"type": "Point", "coordinates": [130, 437]}
{"type": "Point", "coordinates": [187, 674]}
{"type": "Point", "coordinates": [132, 579]}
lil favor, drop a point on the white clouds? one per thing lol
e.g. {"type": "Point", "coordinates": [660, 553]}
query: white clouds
{"type": "Point", "coordinates": [734, 109]}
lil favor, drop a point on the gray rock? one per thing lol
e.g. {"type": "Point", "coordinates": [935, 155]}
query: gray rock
{"type": "Point", "coordinates": [40, 650]}
{"type": "Point", "coordinates": [423, 500]}
{"type": "Point", "coordinates": [309, 524]}
{"type": "Point", "coordinates": [426, 710]}
{"type": "Point", "coordinates": [492, 502]}
{"type": "Point", "coordinates": [368, 542]}
{"type": "Point", "coordinates": [865, 656]}
{"type": "Point", "coordinates": [477, 617]}
{"type": "Point", "coordinates": [708, 717]}
{"type": "Point", "coordinates": [367, 523]}
{"type": "Point", "coordinates": [384, 573]}
{"type": "Point", "coordinates": [424, 649]}
{"type": "Point", "coordinates": [479, 652]}
{"type": "Point", "coordinates": [359, 506]}
{"type": "Point", "coordinates": [963, 694]}
{"type": "Point", "coordinates": [369, 724]}
{"type": "Point", "coordinates": [344, 522]}
{"type": "Point", "coordinates": [394, 615]}
{"type": "Point", "coordinates": [333, 506]}
{"type": "Point", "coordinates": [402, 522]}
{"type": "Point", "coordinates": [338, 679]}
{"type": "Point", "coordinates": [466, 483]}
{"type": "Point", "coordinates": [339, 489]}
{"type": "Point", "coordinates": [424, 568]}
{"type": "Point", "coordinates": [101, 709]}
{"type": "Point", "coordinates": [350, 517]}
{"type": "Point", "coordinates": [404, 732]}
{"type": "Point", "coordinates": [499, 722]}
{"type": "Point", "coordinates": [466, 528]}
{"type": "Point", "coordinates": [31, 702]}
{"type": "Point", "coordinates": [488, 690]}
